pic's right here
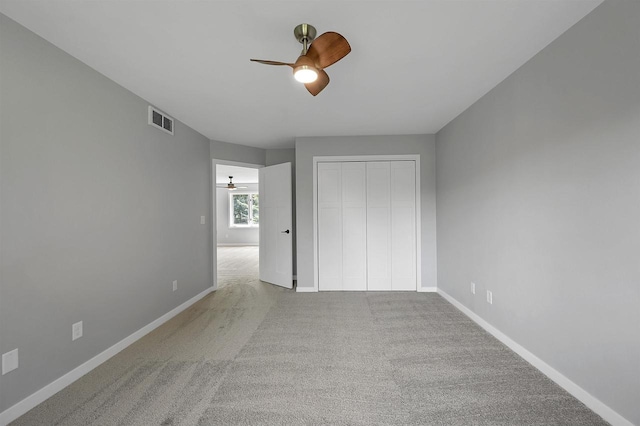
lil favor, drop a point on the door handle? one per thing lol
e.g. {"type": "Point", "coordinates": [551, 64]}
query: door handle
{"type": "Point", "coordinates": [284, 232]}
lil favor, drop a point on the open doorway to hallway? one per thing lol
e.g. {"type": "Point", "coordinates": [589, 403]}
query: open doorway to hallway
{"type": "Point", "coordinates": [238, 221]}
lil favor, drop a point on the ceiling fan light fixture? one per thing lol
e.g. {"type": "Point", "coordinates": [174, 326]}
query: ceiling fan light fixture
{"type": "Point", "coordinates": [305, 74]}
{"type": "Point", "coordinates": [230, 185]}
{"type": "Point", "coordinates": [304, 70]}
{"type": "Point", "coordinates": [324, 51]}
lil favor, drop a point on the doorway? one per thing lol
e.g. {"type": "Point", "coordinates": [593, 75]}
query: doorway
{"type": "Point", "coordinates": [237, 222]}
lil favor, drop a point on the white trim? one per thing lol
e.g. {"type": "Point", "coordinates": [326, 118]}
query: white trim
{"type": "Point", "coordinates": [315, 229]}
{"type": "Point", "coordinates": [418, 202]}
{"type": "Point", "coordinates": [341, 158]}
{"type": "Point", "coordinates": [427, 289]}
{"type": "Point", "coordinates": [306, 290]}
{"type": "Point", "coordinates": [236, 244]}
{"type": "Point", "coordinates": [564, 382]}
{"type": "Point", "coordinates": [345, 158]}
{"type": "Point", "coordinates": [239, 164]}
{"type": "Point", "coordinates": [15, 411]}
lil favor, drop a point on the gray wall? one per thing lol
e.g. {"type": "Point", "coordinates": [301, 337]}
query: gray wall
{"type": "Point", "coordinates": [539, 201]}
{"type": "Point", "coordinates": [235, 235]}
{"type": "Point", "coordinates": [100, 212]}
{"type": "Point", "coordinates": [308, 147]}
{"type": "Point", "coordinates": [232, 152]}
{"type": "Point", "coordinates": [279, 156]}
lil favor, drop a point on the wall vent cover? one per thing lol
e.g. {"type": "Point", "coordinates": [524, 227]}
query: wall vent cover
{"type": "Point", "coordinates": [160, 120]}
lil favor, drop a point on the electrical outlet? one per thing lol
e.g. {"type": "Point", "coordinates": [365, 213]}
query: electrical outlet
{"type": "Point", "coordinates": [489, 297]}
{"type": "Point", "coordinates": [76, 331]}
{"type": "Point", "coordinates": [473, 288]}
{"type": "Point", "coordinates": [202, 221]}
{"type": "Point", "coordinates": [175, 285]}
{"type": "Point", "coordinates": [9, 361]}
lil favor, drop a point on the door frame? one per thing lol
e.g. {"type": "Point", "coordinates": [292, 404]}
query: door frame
{"type": "Point", "coordinates": [350, 158]}
{"type": "Point", "coordinates": [214, 210]}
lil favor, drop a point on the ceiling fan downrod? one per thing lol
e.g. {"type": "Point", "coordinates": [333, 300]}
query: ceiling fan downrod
{"type": "Point", "coordinates": [305, 34]}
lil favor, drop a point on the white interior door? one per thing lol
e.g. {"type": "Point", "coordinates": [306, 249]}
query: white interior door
{"type": "Point", "coordinates": [342, 221]}
{"type": "Point", "coordinates": [366, 226]}
{"type": "Point", "coordinates": [378, 226]}
{"type": "Point", "coordinates": [330, 226]}
{"type": "Point", "coordinates": [276, 250]}
{"type": "Point", "coordinates": [354, 226]}
{"type": "Point", "coordinates": [403, 226]}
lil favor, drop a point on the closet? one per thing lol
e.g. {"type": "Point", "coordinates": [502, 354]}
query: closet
{"type": "Point", "coordinates": [366, 212]}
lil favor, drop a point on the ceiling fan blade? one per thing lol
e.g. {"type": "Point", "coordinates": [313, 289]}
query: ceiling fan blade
{"type": "Point", "coordinates": [328, 49]}
{"type": "Point", "coordinates": [262, 61]}
{"type": "Point", "coordinates": [321, 82]}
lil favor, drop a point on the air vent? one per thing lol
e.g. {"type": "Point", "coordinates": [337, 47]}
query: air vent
{"type": "Point", "coordinates": [160, 120]}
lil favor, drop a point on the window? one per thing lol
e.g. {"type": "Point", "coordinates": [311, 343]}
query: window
{"type": "Point", "coordinates": [244, 210]}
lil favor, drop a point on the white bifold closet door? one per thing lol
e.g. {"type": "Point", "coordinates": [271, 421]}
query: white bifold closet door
{"type": "Point", "coordinates": [403, 226]}
{"type": "Point", "coordinates": [391, 226]}
{"type": "Point", "coordinates": [367, 226]}
{"type": "Point", "coordinates": [378, 226]}
{"type": "Point", "coordinates": [342, 236]}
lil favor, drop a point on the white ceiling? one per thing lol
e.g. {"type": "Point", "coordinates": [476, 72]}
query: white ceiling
{"type": "Point", "coordinates": [240, 174]}
{"type": "Point", "coordinates": [414, 65]}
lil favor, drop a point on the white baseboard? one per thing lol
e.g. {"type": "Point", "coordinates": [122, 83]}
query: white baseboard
{"type": "Point", "coordinates": [313, 290]}
{"type": "Point", "coordinates": [15, 411]}
{"type": "Point", "coordinates": [582, 395]}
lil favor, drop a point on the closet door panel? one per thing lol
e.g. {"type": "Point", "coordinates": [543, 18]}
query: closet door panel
{"type": "Point", "coordinates": [329, 226]}
{"type": "Point", "coordinates": [403, 226]}
{"type": "Point", "coordinates": [354, 227]}
{"type": "Point", "coordinates": [378, 268]}
{"type": "Point", "coordinates": [378, 226]}
{"type": "Point", "coordinates": [367, 226]}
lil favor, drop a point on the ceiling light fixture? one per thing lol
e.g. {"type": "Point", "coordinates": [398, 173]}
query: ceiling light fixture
{"type": "Point", "coordinates": [304, 70]}
{"type": "Point", "coordinates": [317, 54]}
{"type": "Point", "coordinates": [230, 186]}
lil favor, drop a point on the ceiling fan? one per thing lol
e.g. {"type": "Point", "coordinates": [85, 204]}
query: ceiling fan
{"type": "Point", "coordinates": [230, 186]}
{"type": "Point", "coordinates": [317, 54]}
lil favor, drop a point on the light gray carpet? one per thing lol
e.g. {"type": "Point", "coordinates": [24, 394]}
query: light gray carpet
{"type": "Point", "coordinates": [255, 354]}
{"type": "Point", "coordinates": [237, 264]}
